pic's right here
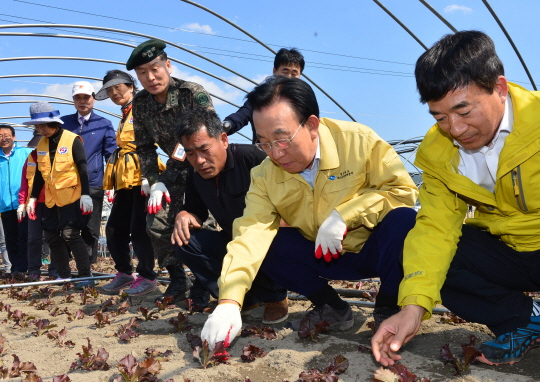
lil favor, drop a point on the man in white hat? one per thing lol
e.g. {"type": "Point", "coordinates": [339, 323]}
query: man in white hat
{"type": "Point", "coordinates": [99, 143]}
{"type": "Point", "coordinates": [12, 158]}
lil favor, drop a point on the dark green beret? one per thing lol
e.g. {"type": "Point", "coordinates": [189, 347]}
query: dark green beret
{"type": "Point", "coordinates": [144, 53]}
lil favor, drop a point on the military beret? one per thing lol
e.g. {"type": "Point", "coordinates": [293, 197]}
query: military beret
{"type": "Point", "coordinates": [144, 53]}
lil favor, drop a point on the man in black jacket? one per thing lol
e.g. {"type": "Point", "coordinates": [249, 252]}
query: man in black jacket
{"type": "Point", "coordinates": [287, 63]}
{"type": "Point", "coordinates": [218, 181]}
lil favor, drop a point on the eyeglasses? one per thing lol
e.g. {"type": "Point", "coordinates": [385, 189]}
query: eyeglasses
{"type": "Point", "coordinates": [6, 136]}
{"type": "Point", "coordinates": [281, 144]}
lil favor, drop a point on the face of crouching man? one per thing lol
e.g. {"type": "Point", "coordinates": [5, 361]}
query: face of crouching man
{"type": "Point", "coordinates": [204, 142]}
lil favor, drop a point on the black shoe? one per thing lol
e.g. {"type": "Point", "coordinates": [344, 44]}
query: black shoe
{"type": "Point", "coordinates": [178, 288]}
{"type": "Point", "coordinates": [199, 296]}
{"type": "Point", "coordinates": [382, 313]}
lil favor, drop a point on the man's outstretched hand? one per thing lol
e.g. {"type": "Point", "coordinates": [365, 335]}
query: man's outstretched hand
{"type": "Point", "coordinates": [395, 332]}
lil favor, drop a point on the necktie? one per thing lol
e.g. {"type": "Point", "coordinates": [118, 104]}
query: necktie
{"type": "Point", "coordinates": [81, 120]}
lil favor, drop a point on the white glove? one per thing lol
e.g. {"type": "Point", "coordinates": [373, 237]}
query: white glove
{"type": "Point", "coordinates": [110, 195]}
{"type": "Point", "coordinates": [86, 205]}
{"type": "Point", "coordinates": [30, 209]}
{"type": "Point", "coordinates": [330, 236]}
{"type": "Point", "coordinates": [157, 191]}
{"type": "Point", "coordinates": [145, 187]}
{"type": "Point", "coordinates": [222, 325]}
{"type": "Point", "coordinates": [21, 212]}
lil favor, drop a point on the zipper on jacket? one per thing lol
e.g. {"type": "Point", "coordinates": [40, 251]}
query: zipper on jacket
{"type": "Point", "coordinates": [518, 188]}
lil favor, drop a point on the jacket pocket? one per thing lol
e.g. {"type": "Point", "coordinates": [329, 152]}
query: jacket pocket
{"type": "Point", "coordinates": [66, 181]}
{"type": "Point", "coordinates": [62, 163]}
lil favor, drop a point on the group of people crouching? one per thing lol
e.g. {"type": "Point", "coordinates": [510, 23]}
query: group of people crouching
{"type": "Point", "coordinates": [317, 199]}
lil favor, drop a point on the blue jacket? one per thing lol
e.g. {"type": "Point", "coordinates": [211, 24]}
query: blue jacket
{"type": "Point", "coordinates": [10, 177]}
{"type": "Point", "coordinates": [241, 118]}
{"type": "Point", "coordinates": [99, 143]}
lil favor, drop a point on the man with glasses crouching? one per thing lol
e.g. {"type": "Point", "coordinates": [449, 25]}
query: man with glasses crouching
{"type": "Point", "coordinates": [339, 187]}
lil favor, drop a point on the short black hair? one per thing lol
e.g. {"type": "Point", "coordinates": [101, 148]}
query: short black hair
{"type": "Point", "coordinates": [289, 57]}
{"type": "Point", "coordinates": [163, 56]}
{"type": "Point", "coordinates": [295, 91]}
{"type": "Point", "coordinates": [124, 74]}
{"type": "Point", "coordinates": [193, 120]}
{"type": "Point", "coordinates": [454, 62]}
{"type": "Point", "coordinates": [5, 126]}
{"type": "Point", "coordinates": [54, 125]}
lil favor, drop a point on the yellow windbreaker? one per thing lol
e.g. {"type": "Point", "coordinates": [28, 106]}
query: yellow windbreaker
{"type": "Point", "coordinates": [511, 213]}
{"type": "Point", "coordinates": [123, 169]}
{"type": "Point", "coordinates": [360, 175]}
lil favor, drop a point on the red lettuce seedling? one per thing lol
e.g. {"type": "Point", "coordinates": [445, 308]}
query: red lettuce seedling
{"type": "Point", "coordinates": [102, 319]}
{"type": "Point", "coordinates": [19, 367]}
{"type": "Point", "coordinates": [54, 311]}
{"type": "Point", "coordinates": [396, 373]}
{"type": "Point", "coordinates": [164, 303]}
{"type": "Point", "coordinates": [180, 323]}
{"type": "Point", "coordinates": [470, 354]}
{"type": "Point", "coordinates": [89, 361]}
{"type": "Point", "coordinates": [69, 299]}
{"type": "Point", "coordinates": [160, 356]}
{"type": "Point", "coordinates": [208, 357]}
{"type": "Point", "coordinates": [60, 337]}
{"type": "Point", "coordinates": [451, 318]}
{"type": "Point", "coordinates": [22, 319]}
{"type": "Point", "coordinates": [3, 344]}
{"type": "Point", "coordinates": [250, 352]}
{"type": "Point", "coordinates": [263, 332]}
{"type": "Point", "coordinates": [364, 349]}
{"type": "Point", "coordinates": [148, 314]}
{"type": "Point", "coordinates": [43, 305]}
{"type": "Point", "coordinates": [307, 331]}
{"type": "Point", "coordinates": [105, 306]}
{"type": "Point", "coordinates": [43, 326]}
{"type": "Point", "coordinates": [125, 332]}
{"type": "Point", "coordinates": [131, 371]}
{"type": "Point", "coordinates": [122, 308]}
{"type": "Point", "coordinates": [44, 291]}
{"type": "Point", "coordinates": [193, 340]}
{"type": "Point", "coordinates": [337, 366]}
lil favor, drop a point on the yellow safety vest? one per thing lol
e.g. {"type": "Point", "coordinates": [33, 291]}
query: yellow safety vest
{"type": "Point", "coordinates": [62, 182]}
{"type": "Point", "coordinates": [123, 168]}
{"type": "Point", "coordinates": [31, 168]}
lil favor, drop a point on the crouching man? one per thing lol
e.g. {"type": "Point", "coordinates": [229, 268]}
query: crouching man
{"type": "Point", "coordinates": [339, 188]}
{"type": "Point", "coordinates": [218, 181]}
{"type": "Point", "coordinates": [482, 152]}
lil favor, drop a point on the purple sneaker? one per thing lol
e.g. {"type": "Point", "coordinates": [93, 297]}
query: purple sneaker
{"type": "Point", "coordinates": [120, 282]}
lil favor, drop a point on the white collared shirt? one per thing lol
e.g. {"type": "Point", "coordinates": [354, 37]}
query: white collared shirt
{"type": "Point", "coordinates": [480, 165]}
{"type": "Point", "coordinates": [309, 174]}
{"type": "Point", "coordinates": [86, 117]}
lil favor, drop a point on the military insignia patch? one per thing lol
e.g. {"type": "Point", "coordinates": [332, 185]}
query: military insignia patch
{"type": "Point", "coordinates": [202, 99]}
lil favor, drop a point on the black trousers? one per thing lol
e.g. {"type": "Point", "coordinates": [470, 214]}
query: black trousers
{"type": "Point", "coordinates": [63, 225]}
{"type": "Point", "coordinates": [35, 244]}
{"type": "Point", "coordinates": [204, 256]}
{"type": "Point", "coordinates": [16, 240]}
{"type": "Point", "coordinates": [486, 281]}
{"type": "Point", "coordinates": [127, 222]}
{"type": "Point", "coordinates": [91, 232]}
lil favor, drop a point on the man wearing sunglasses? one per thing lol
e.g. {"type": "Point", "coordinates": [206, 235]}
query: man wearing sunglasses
{"type": "Point", "coordinates": [339, 187]}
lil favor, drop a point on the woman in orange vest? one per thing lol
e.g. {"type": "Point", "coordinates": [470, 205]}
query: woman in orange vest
{"type": "Point", "coordinates": [127, 221]}
{"type": "Point", "coordinates": [35, 230]}
{"type": "Point", "coordinates": [62, 169]}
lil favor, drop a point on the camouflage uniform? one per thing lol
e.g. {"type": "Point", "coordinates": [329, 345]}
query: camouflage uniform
{"type": "Point", "coordinates": [155, 123]}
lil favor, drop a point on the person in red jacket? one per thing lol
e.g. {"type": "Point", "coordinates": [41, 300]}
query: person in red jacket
{"type": "Point", "coordinates": [35, 230]}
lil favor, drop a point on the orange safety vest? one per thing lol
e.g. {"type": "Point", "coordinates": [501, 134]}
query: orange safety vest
{"type": "Point", "coordinates": [123, 168]}
{"type": "Point", "coordinates": [62, 182]}
{"type": "Point", "coordinates": [31, 168]}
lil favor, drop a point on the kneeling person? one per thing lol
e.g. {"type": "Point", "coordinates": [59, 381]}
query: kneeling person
{"type": "Point", "coordinates": [218, 181]}
{"type": "Point", "coordinates": [339, 187]}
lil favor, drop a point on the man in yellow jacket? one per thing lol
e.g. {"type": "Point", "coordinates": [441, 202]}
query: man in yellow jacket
{"type": "Point", "coordinates": [482, 155]}
{"type": "Point", "coordinates": [339, 187]}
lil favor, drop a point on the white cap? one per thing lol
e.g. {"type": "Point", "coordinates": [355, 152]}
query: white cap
{"type": "Point", "coordinates": [82, 87]}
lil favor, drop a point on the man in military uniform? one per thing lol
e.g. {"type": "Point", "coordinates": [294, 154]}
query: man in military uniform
{"type": "Point", "coordinates": [156, 109]}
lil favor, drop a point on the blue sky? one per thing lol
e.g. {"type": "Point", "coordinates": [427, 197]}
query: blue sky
{"type": "Point", "coordinates": [353, 49]}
